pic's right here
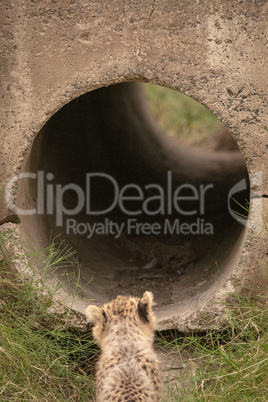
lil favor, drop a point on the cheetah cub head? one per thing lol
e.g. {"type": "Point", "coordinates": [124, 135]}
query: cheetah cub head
{"type": "Point", "coordinates": [125, 314]}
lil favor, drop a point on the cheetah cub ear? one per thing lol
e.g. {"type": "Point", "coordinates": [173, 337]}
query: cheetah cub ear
{"type": "Point", "coordinates": [145, 305]}
{"type": "Point", "coordinates": [96, 315]}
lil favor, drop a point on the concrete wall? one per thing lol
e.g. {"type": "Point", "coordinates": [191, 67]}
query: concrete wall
{"type": "Point", "coordinates": [216, 52]}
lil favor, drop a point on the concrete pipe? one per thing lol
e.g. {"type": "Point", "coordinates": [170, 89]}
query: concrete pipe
{"type": "Point", "coordinates": [142, 211]}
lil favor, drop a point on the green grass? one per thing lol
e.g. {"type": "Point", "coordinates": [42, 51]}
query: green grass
{"type": "Point", "coordinates": [42, 357]}
{"type": "Point", "coordinates": [180, 115]}
{"type": "Point", "coordinates": [227, 365]}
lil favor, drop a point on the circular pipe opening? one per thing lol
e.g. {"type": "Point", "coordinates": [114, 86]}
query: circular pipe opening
{"type": "Point", "coordinates": [142, 210]}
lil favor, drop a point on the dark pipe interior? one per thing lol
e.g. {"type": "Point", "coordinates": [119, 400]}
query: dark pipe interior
{"type": "Point", "coordinates": [111, 131]}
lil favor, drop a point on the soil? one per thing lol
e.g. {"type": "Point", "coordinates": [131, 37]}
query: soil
{"type": "Point", "coordinates": [176, 369]}
{"type": "Point", "coordinates": [152, 265]}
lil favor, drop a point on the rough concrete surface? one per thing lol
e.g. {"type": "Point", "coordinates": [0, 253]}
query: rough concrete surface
{"type": "Point", "coordinates": [53, 52]}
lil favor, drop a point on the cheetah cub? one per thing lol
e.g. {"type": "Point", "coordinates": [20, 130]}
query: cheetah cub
{"type": "Point", "coordinates": [127, 369]}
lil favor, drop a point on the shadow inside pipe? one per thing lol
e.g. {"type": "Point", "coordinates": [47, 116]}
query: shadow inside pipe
{"type": "Point", "coordinates": [143, 210]}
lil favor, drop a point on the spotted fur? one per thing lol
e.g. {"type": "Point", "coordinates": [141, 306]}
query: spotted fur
{"type": "Point", "coordinates": [127, 370]}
